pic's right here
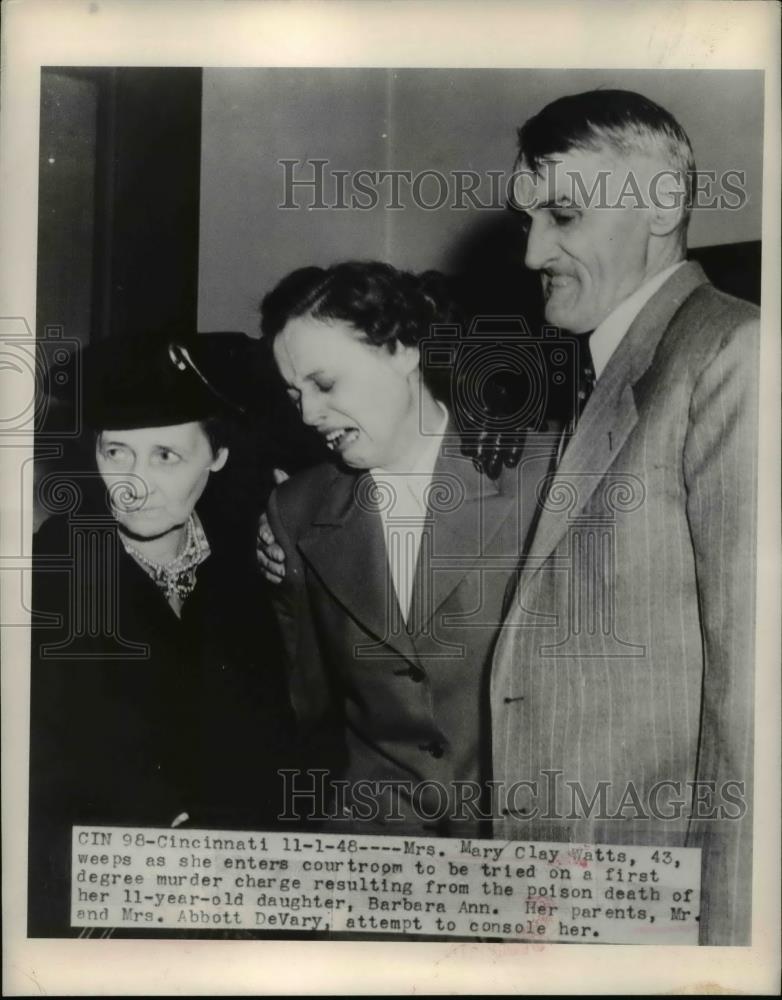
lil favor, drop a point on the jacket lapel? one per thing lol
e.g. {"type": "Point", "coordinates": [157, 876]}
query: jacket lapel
{"type": "Point", "coordinates": [346, 548]}
{"type": "Point", "coordinates": [608, 418]}
{"type": "Point", "coordinates": [466, 509]}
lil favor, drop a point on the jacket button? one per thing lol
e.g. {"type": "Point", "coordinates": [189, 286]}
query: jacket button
{"type": "Point", "coordinates": [435, 749]}
{"type": "Point", "coordinates": [413, 672]}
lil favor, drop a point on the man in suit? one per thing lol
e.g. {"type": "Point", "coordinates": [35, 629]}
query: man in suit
{"type": "Point", "coordinates": [625, 664]}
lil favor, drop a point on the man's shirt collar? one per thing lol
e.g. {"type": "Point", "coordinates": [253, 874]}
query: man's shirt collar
{"type": "Point", "coordinates": [607, 337]}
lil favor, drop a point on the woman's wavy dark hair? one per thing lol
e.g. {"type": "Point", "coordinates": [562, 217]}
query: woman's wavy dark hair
{"type": "Point", "coordinates": [385, 305]}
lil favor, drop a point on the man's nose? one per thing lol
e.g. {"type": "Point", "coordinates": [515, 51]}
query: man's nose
{"type": "Point", "coordinates": [541, 245]}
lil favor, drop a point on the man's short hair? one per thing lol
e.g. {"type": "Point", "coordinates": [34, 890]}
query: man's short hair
{"type": "Point", "coordinates": [621, 120]}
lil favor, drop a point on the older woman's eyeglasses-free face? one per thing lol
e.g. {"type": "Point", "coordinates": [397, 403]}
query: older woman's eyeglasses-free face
{"type": "Point", "coordinates": [155, 475]}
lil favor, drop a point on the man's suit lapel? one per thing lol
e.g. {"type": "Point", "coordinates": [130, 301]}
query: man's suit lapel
{"type": "Point", "coordinates": [608, 418]}
{"type": "Point", "coordinates": [346, 548]}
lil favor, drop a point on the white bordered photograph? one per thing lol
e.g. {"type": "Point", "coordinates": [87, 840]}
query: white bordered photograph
{"type": "Point", "coordinates": [392, 527]}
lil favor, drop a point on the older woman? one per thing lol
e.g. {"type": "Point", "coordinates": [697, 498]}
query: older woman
{"type": "Point", "coordinates": [397, 554]}
{"type": "Point", "coordinates": [156, 693]}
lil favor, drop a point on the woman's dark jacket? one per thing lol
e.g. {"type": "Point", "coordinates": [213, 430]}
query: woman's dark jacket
{"type": "Point", "coordinates": [138, 716]}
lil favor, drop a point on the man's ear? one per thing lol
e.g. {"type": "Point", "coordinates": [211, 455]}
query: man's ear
{"type": "Point", "coordinates": [220, 459]}
{"type": "Point", "coordinates": [668, 193]}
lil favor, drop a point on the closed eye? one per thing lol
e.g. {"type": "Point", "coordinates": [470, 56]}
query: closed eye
{"type": "Point", "coordinates": [564, 216]}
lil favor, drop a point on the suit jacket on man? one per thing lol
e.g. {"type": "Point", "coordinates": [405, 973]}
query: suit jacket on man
{"type": "Point", "coordinates": [411, 701]}
{"type": "Point", "coordinates": [627, 654]}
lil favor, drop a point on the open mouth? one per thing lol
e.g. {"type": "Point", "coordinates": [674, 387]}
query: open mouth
{"type": "Point", "coordinates": [341, 437]}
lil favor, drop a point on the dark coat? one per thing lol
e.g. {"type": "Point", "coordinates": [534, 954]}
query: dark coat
{"type": "Point", "coordinates": [137, 715]}
{"type": "Point", "coordinates": [411, 702]}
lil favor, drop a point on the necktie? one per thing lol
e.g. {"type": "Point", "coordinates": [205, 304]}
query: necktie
{"type": "Point", "coordinates": [586, 375]}
{"type": "Point", "coordinates": [585, 383]}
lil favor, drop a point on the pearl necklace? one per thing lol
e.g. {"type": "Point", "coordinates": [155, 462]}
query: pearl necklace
{"type": "Point", "coordinates": [177, 579]}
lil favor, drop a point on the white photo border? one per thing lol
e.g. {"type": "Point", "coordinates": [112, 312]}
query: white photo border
{"type": "Point", "coordinates": [654, 35]}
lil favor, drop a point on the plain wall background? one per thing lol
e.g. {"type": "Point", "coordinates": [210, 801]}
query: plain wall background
{"type": "Point", "coordinates": [412, 119]}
